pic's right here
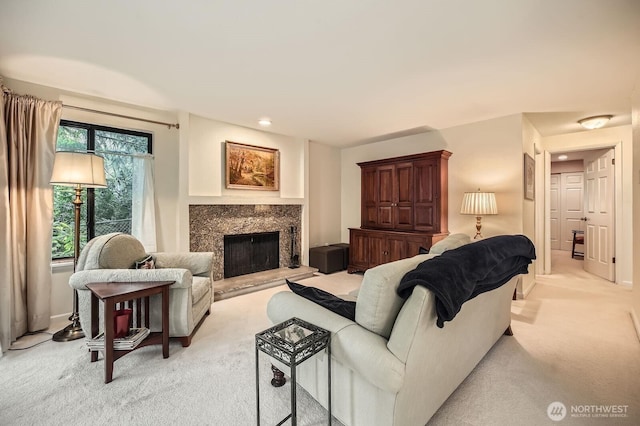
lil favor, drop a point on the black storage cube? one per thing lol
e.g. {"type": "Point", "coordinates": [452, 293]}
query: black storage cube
{"type": "Point", "coordinates": [327, 259]}
{"type": "Point", "coordinates": [345, 252]}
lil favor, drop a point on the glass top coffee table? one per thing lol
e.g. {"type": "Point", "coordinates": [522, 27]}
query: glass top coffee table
{"type": "Point", "coordinates": [292, 342]}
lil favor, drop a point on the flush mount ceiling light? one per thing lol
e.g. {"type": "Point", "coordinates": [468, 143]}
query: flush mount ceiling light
{"type": "Point", "coordinates": [595, 122]}
{"type": "Point", "coordinates": [264, 122]}
{"type": "Point", "coordinates": [562, 157]}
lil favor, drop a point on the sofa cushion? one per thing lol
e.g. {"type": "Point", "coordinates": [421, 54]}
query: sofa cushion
{"type": "Point", "coordinates": [378, 304]}
{"type": "Point", "coordinates": [119, 251]}
{"type": "Point", "coordinates": [450, 242]}
{"type": "Point", "coordinates": [111, 251]}
{"type": "Point", "coordinates": [325, 299]}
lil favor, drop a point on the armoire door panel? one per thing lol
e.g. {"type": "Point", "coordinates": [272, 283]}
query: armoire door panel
{"type": "Point", "coordinates": [396, 248]}
{"type": "Point", "coordinates": [369, 185]}
{"type": "Point", "coordinates": [403, 204]}
{"type": "Point", "coordinates": [376, 250]}
{"type": "Point", "coordinates": [385, 219]}
{"type": "Point", "coordinates": [426, 180]}
{"type": "Point", "coordinates": [424, 218]}
{"type": "Point", "coordinates": [403, 217]}
{"type": "Point", "coordinates": [358, 250]}
{"type": "Point", "coordinates": [369, 194]}
{"type": "Point", "coordinates": [385, 184]}
{"type": "Point", "coordinates": [370, 216]}
{"type": "Point", "coordinates": [404, 183]}
{"type": "Point", "coordinates": [426, 185]}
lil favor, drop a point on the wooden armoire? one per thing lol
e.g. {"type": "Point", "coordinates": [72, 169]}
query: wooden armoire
{"type": "Point", "coordinates": [404, 207]}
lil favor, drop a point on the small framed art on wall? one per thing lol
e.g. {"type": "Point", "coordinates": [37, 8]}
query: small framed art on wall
{"type": "Point", "coordinates": [529, 177]}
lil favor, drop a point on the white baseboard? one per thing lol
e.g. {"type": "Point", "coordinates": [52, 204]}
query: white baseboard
{"type": "Point", "coordinates": [524, 292]}
{"type": "Point", "coordinates": [627, 284]}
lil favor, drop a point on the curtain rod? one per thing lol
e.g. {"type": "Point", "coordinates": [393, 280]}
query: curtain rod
{"type": "Point", "coordinates": [170, 125]}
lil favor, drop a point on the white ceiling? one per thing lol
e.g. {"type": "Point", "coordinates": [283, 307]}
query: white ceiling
{"type": "Point", "coordinates": [340, 72]}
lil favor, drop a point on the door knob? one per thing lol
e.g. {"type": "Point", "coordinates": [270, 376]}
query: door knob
{"type": "Point", "coordinates": [584, 219]}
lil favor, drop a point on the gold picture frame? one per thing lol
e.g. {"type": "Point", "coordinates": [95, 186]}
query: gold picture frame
{"type": "Point", "coordinates": [252, 167]}
{"type": "Point", "coordinates": [529, 177]}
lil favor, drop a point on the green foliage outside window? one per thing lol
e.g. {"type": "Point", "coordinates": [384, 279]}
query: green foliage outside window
{"type": "Point", "coordinates": [111, 206]}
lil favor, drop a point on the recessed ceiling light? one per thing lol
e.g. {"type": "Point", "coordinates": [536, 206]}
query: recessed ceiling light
{"type": "Point", "coordinates": [264, 122]}
{"type": "Point", "coordinates": [595, 122]}
{"type": "Point", "coordinates": [562, 157]}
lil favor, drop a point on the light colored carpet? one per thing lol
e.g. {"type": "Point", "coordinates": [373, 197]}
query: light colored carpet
{"type": "Point", "coordinates": [574, 343]}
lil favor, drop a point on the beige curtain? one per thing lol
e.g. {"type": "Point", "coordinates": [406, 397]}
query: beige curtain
{"type": "Point", "coordinates": [28, 132]}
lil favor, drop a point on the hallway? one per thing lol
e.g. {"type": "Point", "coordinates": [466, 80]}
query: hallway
{"type": "Point", "coordinates": [570, 273]}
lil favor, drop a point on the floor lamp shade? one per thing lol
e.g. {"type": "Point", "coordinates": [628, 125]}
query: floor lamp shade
{"type": "Point", "coordinates": [479, 204]}
{"type": "Point", "coordinates": [80, 170]}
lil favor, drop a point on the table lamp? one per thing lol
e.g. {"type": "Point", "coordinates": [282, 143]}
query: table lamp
{"type": "Point", "coordinates": [479, 204]}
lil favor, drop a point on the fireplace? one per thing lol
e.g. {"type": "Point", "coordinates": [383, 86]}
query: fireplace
{"type": "Point", "coordinates": [209, 223]}
{"type": "Point", "coordinates": [249, 253]}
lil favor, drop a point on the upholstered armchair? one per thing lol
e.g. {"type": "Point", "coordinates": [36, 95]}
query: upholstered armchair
{"type": "Point", "coordinates": [113, 257]}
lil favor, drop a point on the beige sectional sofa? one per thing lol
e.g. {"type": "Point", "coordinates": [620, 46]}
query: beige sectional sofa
{"type": "Point", "coordinates": [393, 365]}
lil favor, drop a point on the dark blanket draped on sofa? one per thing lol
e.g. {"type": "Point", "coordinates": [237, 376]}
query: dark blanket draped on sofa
{"type": "Point", "coordinates": [461, 274]}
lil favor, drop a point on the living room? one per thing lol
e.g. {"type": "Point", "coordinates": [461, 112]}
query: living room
{"type": "Point", "coordinates": [324, 179]}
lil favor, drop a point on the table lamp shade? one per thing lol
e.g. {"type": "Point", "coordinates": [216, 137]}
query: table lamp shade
{"type": "Point", "coordinates": [479, 203]}
{"type": "Point", "coordinates": [78, 168]}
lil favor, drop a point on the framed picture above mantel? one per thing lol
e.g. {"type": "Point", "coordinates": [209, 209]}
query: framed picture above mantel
{"type": "Point", "coordinates": [252, 167]}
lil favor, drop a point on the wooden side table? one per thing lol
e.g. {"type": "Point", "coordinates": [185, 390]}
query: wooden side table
{"type": "Point", "coordinates": [112, 293]}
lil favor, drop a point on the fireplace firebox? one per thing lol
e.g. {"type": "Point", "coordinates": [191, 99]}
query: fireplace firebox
{"type": "Point", "coordinates": [249, 253]}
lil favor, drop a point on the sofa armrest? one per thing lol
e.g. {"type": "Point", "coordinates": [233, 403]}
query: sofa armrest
{"type": "Point", "coordinates": [353, 346]}
{"type": "Point", "coordinates": [366, 352]}
{"type": "Point", "coordinates": [182, 277]}
{"type": "Point", "coordinates": [199, 263]}
{"type": "Point", "coordinates": [286, 304]}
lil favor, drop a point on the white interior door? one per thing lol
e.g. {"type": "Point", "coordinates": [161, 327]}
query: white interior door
{"type": "Point", "coordinates": [600, 216]}
{"type": "Point", "coordinates": [554, 210]}
{"type": "Point", "coordinates": [572, 205]}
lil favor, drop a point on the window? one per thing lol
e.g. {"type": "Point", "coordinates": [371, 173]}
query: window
{"type": "Point", "coordinates": [104, 210]}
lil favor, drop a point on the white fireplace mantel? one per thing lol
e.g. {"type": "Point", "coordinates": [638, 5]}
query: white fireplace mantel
{"type": "Point", "coordinates": [243, 200]}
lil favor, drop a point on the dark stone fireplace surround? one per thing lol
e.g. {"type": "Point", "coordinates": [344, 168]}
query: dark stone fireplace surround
{"type": "Point", "coordinates": [208, 224]}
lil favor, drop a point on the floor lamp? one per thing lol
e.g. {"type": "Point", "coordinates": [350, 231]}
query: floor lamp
{"type": "Point", "coordinates": [79, 170]}
{"type": "Point", "coordinates": [479, 204]}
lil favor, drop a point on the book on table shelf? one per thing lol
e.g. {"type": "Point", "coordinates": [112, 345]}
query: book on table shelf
{"type": "Point", "coordinates": [130, 341]}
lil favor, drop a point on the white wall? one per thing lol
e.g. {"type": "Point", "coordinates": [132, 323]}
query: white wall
{"type": "Point", "coordinates": [324, 195]}
{"type": "Point", "coordinates": [532, 209]}
{"type": "Point", "coordinates": [567, 166]}
{"type": "Point", "coordinates": [486, 155]}
{"type": "Point", "coordinates": [207, 159]}
{"type": "Point", "coordinates": [635, 189]}
{"type": "Point", "coordinates": [600, 138]}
